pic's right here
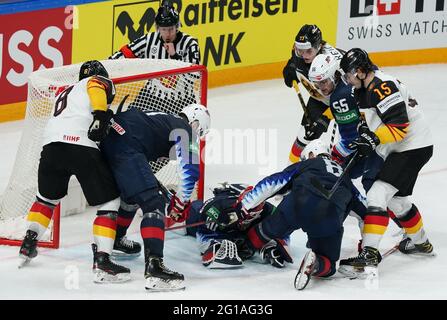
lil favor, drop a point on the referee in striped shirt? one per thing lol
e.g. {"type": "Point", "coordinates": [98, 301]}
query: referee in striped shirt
{"type": "Point", "coordinates": [168, 42]}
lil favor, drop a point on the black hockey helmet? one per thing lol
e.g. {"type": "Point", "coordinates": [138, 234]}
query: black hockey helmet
{"type": "Point", "coordinates": [309, 36]}
{"type": "Point", "coordinates": [354, 59]}
{"type": "Point", "coordinates": [92, 68]}
{"type": "Point", "coordinates": [167, 16]}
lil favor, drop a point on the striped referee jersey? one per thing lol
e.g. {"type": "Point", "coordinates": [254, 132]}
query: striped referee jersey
{"type": "Point", "coordinates": [151, 46]}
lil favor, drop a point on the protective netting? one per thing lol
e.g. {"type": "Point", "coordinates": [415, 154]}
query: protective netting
{"type": "Point", "coordinates": [160, 85]}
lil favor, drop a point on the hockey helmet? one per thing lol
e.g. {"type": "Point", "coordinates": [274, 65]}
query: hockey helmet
{"type": "Point", "coordinates": [354, 59]}
{"type": "Point", "coordinates": [323, 67]}
{"type": "Point", "coordinates": [92, 68]}
{"type": "Point", "coordinates": [167, 16]}
{"type": "Point", "coordinates": [309, 36]}
{"type": "Point", "coordinates": [316, 148]}
{"type": "Point", "coordinates": [198, 117]}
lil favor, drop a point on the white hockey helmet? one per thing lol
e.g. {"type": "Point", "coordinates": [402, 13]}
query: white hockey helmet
{"type": "Point", "coordinates": [323, 67]}
{"type": "Point", "coordinates": [313, 149]}
{"type": "Point", "coordinates": [198, 117]}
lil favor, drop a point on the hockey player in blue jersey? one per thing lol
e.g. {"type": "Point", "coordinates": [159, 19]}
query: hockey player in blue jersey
{"type": "Point", "coordinates": [223, 236]}
{"type": "Point", "coordinates": [324, 73]}
{"type": "Point", "coordinates": [135, 139]}
{"type": "Point", "coordinates": [303, 207]}
{"type": "Point", "coordinates": [327, 79]}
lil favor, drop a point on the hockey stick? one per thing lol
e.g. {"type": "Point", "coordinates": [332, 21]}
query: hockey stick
{"type": "Point", "coordinates": [329, 193]}
{"type": "Point", "coordinates": [334, 132]}
{"type": "Point", "coordinates": [168, 194]}
{"type": "Point", "coordinates": [300, 97]}
{"type": "Point", "coordinates": [195, 224]}
{"type": "Point", "coordinates": [390, 251]}
{"type": "Point", "coordinates": [121, 105]}
{"type": "Point", "coordinates": [303, 105]}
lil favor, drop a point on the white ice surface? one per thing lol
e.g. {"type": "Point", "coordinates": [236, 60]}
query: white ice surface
{"type": "Point", "coordinates": [66, 273]}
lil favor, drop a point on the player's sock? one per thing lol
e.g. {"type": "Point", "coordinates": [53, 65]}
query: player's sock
{"type": "Point", "coordinates": [39, 217]}
{"type": "Point", "coordinates": [153, 234]}
{"type": "Point", "coordinates": [104, 231]}
{"type": "Point", "coordinates": [412, 223]}
{"type": "Point", "coordinates": [375, 225]}
{"type": "Point", "coordinates": [126, 213]}
{"type": "Point", "coordinates": [296, 150]}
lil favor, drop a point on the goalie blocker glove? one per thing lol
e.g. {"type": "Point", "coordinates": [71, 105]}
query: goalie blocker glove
{"type": "Point", "coordinates": [100, 126]}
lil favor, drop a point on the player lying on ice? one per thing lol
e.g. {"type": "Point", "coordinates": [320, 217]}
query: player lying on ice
{"type": "Point", "coordinates": [302, 207]}
{"type": "Point", "coordinates": [222, 237]}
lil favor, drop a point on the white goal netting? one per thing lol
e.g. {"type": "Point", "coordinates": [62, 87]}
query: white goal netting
{"type": "Point", "coordinates": [160, 85]}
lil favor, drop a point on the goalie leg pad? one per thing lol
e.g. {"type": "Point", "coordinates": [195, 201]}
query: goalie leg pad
{"type": "Point", "coordinates": [221, 255]}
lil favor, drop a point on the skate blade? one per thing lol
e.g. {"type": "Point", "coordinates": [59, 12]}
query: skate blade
{"type": "Point", "coordinates": [103, 277]}
{"type": "Point", "coordinates": [119, 255]}
{"type": "Point", "coordinates": [303, 276]}
{"type": "Point", "coordinates": [301, 280]}
{"type": "Point", "coordinates": [25, 261]}
{"type": "Point", "coordinates": [358, 273]}
{"type": "Point", "coordinates": [420, 254]}
{"type": "Point", "coordinates": [159, 285]}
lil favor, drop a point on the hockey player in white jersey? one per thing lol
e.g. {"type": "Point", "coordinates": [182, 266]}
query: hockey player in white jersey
{"type": "Point", "coordinates": [80, 119]}
{"type": "Point", "coordinates": [308, 44]}
{"type": "Point", "coordinates": [396, 131]}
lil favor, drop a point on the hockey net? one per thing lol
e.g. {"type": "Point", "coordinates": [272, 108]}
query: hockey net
{"type": "Point", "coordinates": [159, 85]}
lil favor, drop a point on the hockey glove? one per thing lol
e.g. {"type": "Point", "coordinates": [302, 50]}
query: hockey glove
{"type": "Point", "coordinates": [316, 128]}
{"type": "Point", "coordinates": [246, 216]}
{"type": "Point", "coordinates": [366, 143]}
{"type": "Point", "coordinates": [289, 74]}
{"type": "Point", "coordinates": [100, 126]}
{"type": "Point", "coordinates": [179, 211]}
{"type": "Point", "coordinates": [276, 253]}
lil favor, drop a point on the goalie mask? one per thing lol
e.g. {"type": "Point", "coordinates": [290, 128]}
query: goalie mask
{"type": "Point", "coordinates": [92, 68]}
{"type": "Point", "coordinates": [314, 149]}
{"type": "Point", "coordinates": [198, 117]}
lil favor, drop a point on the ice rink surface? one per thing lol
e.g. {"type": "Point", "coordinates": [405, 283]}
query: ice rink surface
{"type": "Point", "coordinates": [273, 111]}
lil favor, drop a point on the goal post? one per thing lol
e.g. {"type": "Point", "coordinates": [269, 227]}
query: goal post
{"type": "Point", "coordinates": [151, 84]}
